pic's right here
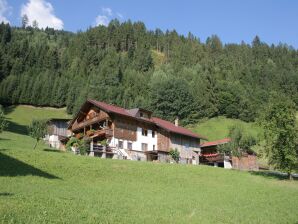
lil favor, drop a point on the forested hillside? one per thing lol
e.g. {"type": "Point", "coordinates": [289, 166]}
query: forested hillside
{"type": "Point", "coordinates": [130, 66]}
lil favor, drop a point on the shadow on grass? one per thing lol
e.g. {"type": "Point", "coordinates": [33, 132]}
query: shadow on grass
{"type": "Point", "coordinates": [11, 167]}
{"type": "Point", "coordinates": [53, 150]}
{"type": "Point", "coordinates": [5, 194]}
{"type": "Point", "coordinates": [9, 109]}
{"type": "Point", "coordinates": [13, 126]}
{"type": "Point", "coordinates": [16, 128]}
{"type": "Point", "coordinates": [271, 175]}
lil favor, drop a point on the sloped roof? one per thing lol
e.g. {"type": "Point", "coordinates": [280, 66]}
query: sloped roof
{"type": "Point", "coordinates": [110, 108]}
{"type": "Point", "coordinates": [157, 121]}
{"type": "Point", "coordinates": [217, 142]}
{"type": "Point", "coordinates": [175, 129]}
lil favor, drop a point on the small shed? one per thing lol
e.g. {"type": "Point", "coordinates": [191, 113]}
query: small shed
{"type": "Point", "coordinates": [211, 156]}
{"type": "Point", "coordinates": [57, 132]}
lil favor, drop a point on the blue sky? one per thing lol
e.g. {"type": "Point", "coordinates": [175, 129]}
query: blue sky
{"type": "Point", "coordinates": [232, 20]}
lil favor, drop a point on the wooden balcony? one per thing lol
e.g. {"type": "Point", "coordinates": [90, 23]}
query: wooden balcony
{"type": "Point", "coordinates": [88, 122]}
{"type": "Point", "coordinates": [107, 132]}
{"type": "Point", "coordinates": [215, 157]}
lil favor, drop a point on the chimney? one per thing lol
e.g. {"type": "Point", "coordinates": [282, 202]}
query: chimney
{"type": "Point", "coordinates": [177, 121]}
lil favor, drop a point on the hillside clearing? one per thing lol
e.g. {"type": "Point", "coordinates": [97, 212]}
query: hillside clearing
{"type": "Point", "coordinates": [218, 127]}
{"type": "Point", "coordinates": [48, 186]}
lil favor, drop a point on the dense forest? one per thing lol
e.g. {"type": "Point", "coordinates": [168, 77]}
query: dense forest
{"type": "Point", "coordinates": [128, 65]}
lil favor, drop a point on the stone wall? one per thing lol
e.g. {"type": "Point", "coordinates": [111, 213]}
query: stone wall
{"type": "Point", "coordinates": [163, 157]}
{"type": "Point", "coordinates": [139, 156]}
{"type": "Point", "coordinates": [185, 145]}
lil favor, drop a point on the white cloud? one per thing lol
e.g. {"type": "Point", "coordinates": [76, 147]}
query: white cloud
{"type": "Point", "coordinates": [4, 10]}
{"type": "Point", "coordinates": [105, 17]}
{"type": "Point", "coordinates": [43, 12]}
{"type": "Point", "coordinates": [102, 20]}
{"type": "Point", "coordinates": [107, 11]}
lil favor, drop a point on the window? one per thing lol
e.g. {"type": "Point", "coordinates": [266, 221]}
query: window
{"type": "Point", "coordinates": [153, 134]}
{"type": "Point", "coordinates": [129, 145]}
{"type": "Point", "coordinates": [120, 144]}
{"type": "Point", "coordinates": [141, 114]}
{"type": "Point", "coordinates": [144, 147]}
{"type": "Point", "coordinates": [153, 148]}
{"type": "Point", "coordinates": [144, 132]}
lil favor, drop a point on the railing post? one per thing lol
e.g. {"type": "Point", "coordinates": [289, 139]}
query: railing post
{"type": "Point", "coordinates": [91, 149]}
{"type": "Point", "coordinates": [104, 152]}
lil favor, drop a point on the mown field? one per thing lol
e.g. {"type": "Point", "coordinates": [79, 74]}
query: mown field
{"type": "Point", "coordinates": [47, 186]}
{"type": "Point", "coordinates": [218, 127]}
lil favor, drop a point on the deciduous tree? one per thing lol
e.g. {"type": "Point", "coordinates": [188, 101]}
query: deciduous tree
{"type": "Point", "coordinates": [280, 131]}
{"type": "Point", "coordinates": [37, 130]}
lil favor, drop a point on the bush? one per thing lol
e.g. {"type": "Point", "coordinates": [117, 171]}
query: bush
{"type": "Point", "coordinates": [81, 144]}
{"type": "Point", "coordinates": [72, 142]}
{"type": "Point", "coordinates": [174, 153]}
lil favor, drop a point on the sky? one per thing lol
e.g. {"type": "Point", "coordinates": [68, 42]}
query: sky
{"type": "Point", "coordinates": [274, 21]}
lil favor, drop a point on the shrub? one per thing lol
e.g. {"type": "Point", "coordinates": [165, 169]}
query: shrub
{"type": "Point", "coordinates": [73, 141]}
{"type": "Point", "coordinates": [174, 153]}
{"type": "Point", "coordinates": [81, 144]}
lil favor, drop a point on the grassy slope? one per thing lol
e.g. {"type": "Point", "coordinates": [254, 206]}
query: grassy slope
{"type": "Point", "coordinates": [42, 186]}
{"type": "Point", "coordinates": [218, 128]}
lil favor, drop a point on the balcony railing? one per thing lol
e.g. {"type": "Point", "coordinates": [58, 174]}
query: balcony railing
{"type": "Point", "coordinates": [87, 122]}
{"type": "Point", "coordinates": [105, 131]}
{"type": "Point", "coordinates": [215, 157]}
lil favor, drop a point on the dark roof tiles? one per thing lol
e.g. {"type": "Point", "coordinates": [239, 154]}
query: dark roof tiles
{"type": "Point", "coordinates": [217, 142]}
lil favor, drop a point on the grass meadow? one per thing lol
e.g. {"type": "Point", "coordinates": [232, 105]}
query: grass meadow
{"type": "Point", "coordinates": [218, 127]}
{"type": "Point", "coordinates": [49, 186]}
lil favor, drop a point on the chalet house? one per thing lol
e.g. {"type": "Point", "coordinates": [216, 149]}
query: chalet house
{"type": "Point", "coordinates": [210, 156]}
{"type": "Point", "coordinates": [57, 133]}
{"type": "Point", "coordinates": [133, 134]}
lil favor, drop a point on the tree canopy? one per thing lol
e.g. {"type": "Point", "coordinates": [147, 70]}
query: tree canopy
{"type": "Point", "coordinates": [280, 131]}
{"type": "Point", "coordinates": [37, 130]}
{"type": "Point", "coordinates": [128, 65]}
{"type": "Point", "coordinates": [240, 142]}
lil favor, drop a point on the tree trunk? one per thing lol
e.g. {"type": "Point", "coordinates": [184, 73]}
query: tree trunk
{"type": "Point", "coordinates": [35, 144]}
{"type": "Point", "coordinates": [290, 176]}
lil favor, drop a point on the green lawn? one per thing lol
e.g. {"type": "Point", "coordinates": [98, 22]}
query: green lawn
{"type": "Point", "coordinates": [47, 186]}
{"type": "Point", "coordinates": [218, 127]}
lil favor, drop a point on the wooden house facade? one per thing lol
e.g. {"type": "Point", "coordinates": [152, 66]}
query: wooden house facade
{"type": "Point", "coordinates": [133, 134]}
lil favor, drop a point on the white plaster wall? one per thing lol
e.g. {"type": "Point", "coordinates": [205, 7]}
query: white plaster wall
{"type": "Point", "coordinates": [227, 164]}
{"type": "Point", "coordinates": [145, 139]}
{"type": "Point", "coordinates": [137, 145]}
{"type": "Point", "coordinates": [54, 141]}
{"type": "Point", "coordinates": [114, 142]}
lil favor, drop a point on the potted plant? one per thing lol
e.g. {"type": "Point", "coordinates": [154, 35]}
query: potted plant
{"type": "Point", "coordinates": [90, 132]}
